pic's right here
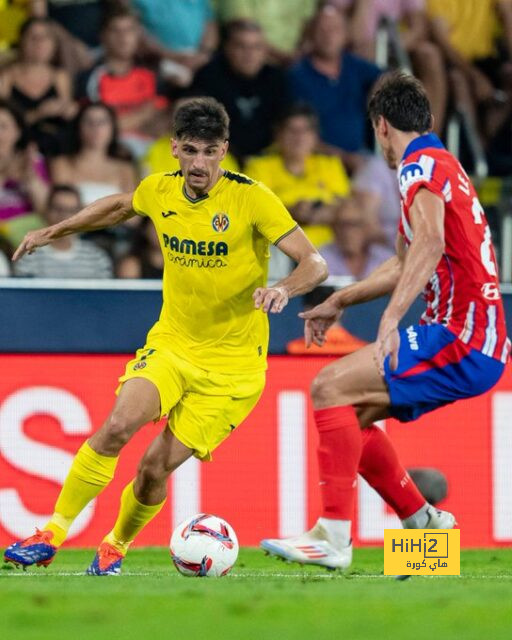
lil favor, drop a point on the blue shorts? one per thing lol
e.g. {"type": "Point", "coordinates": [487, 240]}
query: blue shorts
{"type": "Point", "coordinates": [436, 368]}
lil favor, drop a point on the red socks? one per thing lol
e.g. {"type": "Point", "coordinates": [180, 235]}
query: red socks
{"type": "Point", "coordinates": [339, 452]}
{"type": "Point", "coordinates": [381, 468]}
{"type": "Point", "coordinates": [344, 451]}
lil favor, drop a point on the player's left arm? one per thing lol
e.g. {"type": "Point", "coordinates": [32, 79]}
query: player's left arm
{"type": "Point", "coordinates": [420, 261]}
{"type": "Point", "coordinates": [310, 271]}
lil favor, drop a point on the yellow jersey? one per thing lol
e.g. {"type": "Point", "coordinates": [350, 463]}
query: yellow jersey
{"type": "Point", "coordinates": [324, 179]}
{"type": "Point", "coordinates": [473, 25]}
{"type": "Point", "coordinates": [216, 251]}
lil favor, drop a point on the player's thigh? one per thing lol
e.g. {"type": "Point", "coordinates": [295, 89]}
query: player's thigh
{"type": "Point", "coordinates": [137, 403]}
{"type": "Point", "coordinates": [159, 366]}
{"type": "Point", "coordinates": [201, 421]}
{"type": "Point", "coordinates": [354, 380]}
{"type": "Point", "coordinates": [139, 400]}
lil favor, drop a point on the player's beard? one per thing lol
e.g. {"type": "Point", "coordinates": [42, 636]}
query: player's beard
{"type": "Point", "coordinates": [390, 157]}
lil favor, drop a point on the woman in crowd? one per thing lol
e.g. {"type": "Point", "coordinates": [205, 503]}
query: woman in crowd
{"type": "Point", "coordinates": [41, 90]}
{"type": "Point", "coordinates": [145, 259]}
{"type": "Point", "coordinates": [97, 165]}
{"type": "Point", "coordinates": [23, 176]}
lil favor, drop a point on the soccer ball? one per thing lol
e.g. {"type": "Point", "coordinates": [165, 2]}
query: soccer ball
{"type": "Point", "coordinates": [204, 545]}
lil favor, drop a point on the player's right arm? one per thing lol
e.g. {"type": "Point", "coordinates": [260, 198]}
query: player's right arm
{"type": "Point", "coordinates": [105, 212]}
{"type": "Point", "coordinates": [380, 282]}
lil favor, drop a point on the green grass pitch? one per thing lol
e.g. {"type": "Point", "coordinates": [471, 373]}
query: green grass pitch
{"type": "Point", "coordinates": [261, 599]}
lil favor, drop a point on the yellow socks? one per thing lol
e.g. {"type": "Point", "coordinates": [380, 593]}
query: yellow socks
{"type": "Point", "coordinates": [89, 474]}
{"type": "Point", "coordinates": [133, 517]}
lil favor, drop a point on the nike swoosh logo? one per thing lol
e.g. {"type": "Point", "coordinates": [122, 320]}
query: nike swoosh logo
{"type": "Point", "coordinates": [169, 213]}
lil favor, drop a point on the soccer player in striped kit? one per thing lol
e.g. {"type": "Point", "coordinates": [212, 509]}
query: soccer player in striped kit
{"type": "Point", "coordinates": [458, 350]}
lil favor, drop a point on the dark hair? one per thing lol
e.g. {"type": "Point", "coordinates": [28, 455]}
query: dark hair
{"type": "Point", "coordinates": [401, 99]}
{"type": "Point", "coordinates": [296, 110]}
{"type": "Point", "coordinates": [115, 13]}
{"type": "Point", "coordinates": [201, 119]}
{"type": "Point", "coordinates": [30, 22]}
{"type": "Point", "coordinates": [18, 118]}
{"type": "Point", "coordinates": [64, 188]}
{"type": "Point", "coordinates": [114, 149]}
{"type": "Point", "coordinates": [231, 27]}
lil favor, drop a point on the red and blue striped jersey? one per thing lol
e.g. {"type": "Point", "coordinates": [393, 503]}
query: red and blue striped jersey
{"type": "Point", "coordinates": [463, 293]}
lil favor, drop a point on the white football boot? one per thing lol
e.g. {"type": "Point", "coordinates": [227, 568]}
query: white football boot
{"type": "Point", "coordinates": [432, 518]}
{"type": "Point", "coordinates": [312, 547]}
{"type": "Point", "coordinates": [440, 519]}
{"type": "Point", "coordinates": [435, 519]}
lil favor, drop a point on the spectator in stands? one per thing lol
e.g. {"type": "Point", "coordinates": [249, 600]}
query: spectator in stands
{"type": "Point", "coordinates": [145, 258]}
{"type": "Point", "coordinates": [335, 82]}
{"type": "Point", "coordinates": [12, 16]}
{"type": "Point", "coordinates": [353, 253]}
{"type": "Point", "coordinates": [97, 165]}
{"type": "Point", "coordinates": [310, 184]}
{"type": "Point", "coordinates": [41, 90]}
{"type": "Point", "coordinates": [253, 92]}
{"type": "Point", "coordinates": [77, 36]}
{"type": "Point", "coordinates": [480, 70]}
{"type": "Point", "coordinates": [282, 22]}
{"type": "Point", "coordinates": [68, 257]}
{"type": "Point", "coordinates": [411, 19]}
{"type": "Point", "coordinates": [80, 18]}
{"type": "Point", "coordinates": [183, 34]}
{"type": "Point", "coordinates": [376, 196]}
{"type": "Point", "coordinates": [23, 177]}
{"type": "Point", "coordinates": [129, 88]}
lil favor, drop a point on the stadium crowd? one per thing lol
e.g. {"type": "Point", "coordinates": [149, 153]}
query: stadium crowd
{"type": "Point", "coordinates": [87, 90]}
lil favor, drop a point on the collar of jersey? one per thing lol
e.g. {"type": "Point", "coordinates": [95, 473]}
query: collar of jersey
{"type": "Point", "coordinates": [206, 195]}
{"type": "Point", "coordinates": [428, 140]}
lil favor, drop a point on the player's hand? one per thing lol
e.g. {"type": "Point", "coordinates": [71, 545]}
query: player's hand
{"type": "Point", "coordinates": [31, 241]}
{"type": "Point", "coordinates": [273, 299]}
{"type": "Point", "coordinates": [318, 320]}
{"type": "Point", "coordinates": [387, 343]}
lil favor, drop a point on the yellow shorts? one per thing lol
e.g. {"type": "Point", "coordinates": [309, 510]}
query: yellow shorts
{"type": "Point", "coordinates": [203, 407]}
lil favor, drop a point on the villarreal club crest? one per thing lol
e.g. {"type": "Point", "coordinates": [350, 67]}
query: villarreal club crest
{"type": "Point", "coordinates": [220, 222]}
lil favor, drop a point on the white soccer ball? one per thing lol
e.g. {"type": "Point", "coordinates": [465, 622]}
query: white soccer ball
{"type": "Point", "coordinates": [204, 545]}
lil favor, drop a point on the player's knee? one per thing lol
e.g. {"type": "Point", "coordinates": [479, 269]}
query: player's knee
{"type": "Point", "coordinates": [322, 389]}
{"type": "Point", "coordinates": [118, 430]}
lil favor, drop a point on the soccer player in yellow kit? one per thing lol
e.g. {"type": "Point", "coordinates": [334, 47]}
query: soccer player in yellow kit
{"type": "Point", "coordinates": [203, 365]}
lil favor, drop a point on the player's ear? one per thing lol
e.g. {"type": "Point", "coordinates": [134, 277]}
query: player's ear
{"type": "Point", "coordinates": [174, 147]}
{"type": "Point", "coordinates": [383, 127]}
{"type": "Point", "coordinates": [224, 149]}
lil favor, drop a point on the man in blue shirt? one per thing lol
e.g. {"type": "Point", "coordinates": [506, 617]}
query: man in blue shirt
{"type": "Point", "coordinates": [335, 82]}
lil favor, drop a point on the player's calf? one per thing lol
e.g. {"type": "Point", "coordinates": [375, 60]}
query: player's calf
{"type": "Point", "coordinates": [37, 549]}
